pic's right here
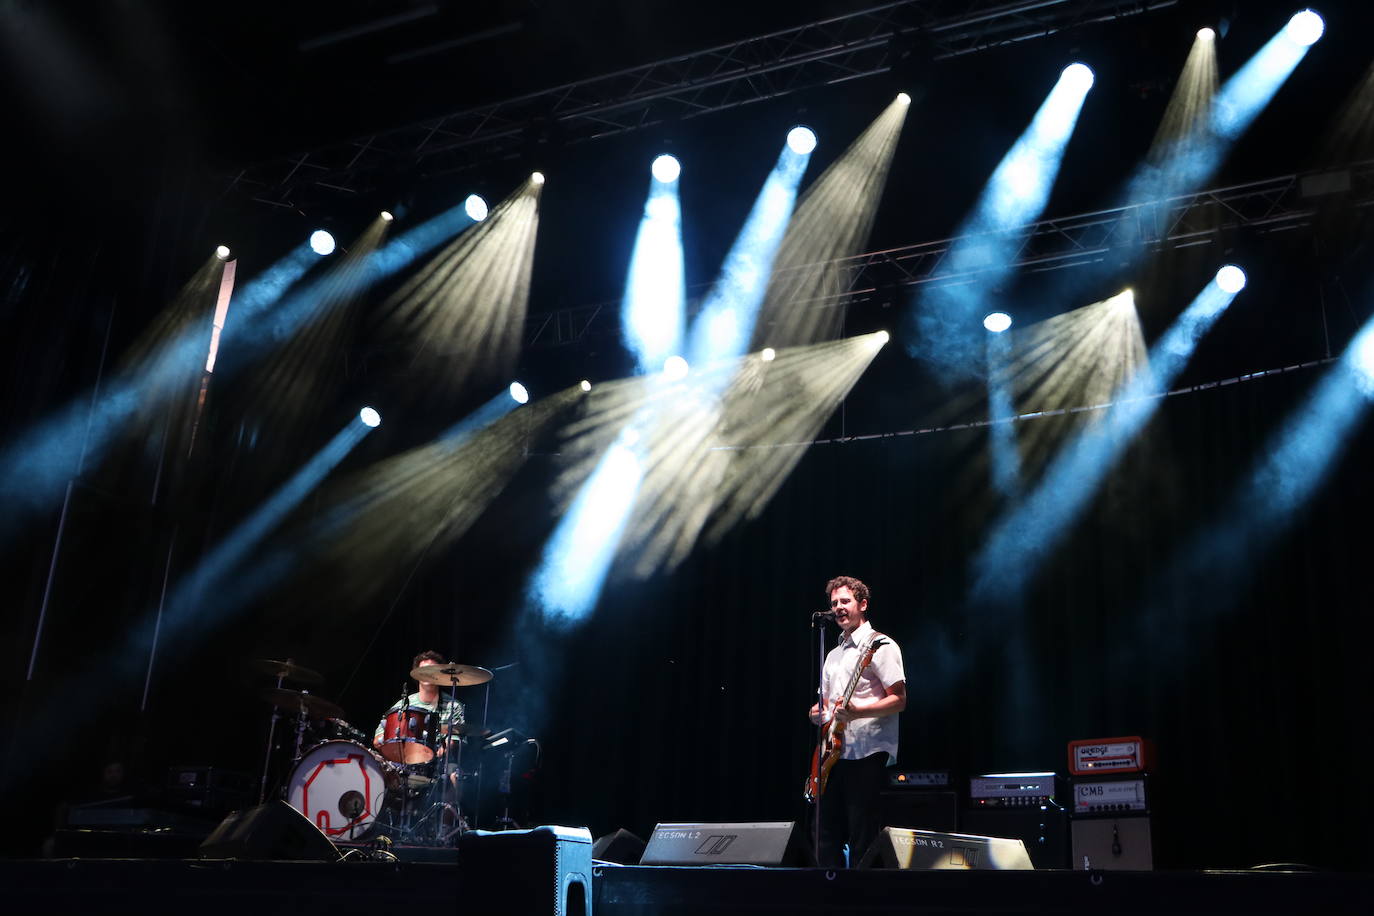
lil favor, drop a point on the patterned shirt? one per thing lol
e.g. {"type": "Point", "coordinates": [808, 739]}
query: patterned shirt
{"type": "Point", "coordinates": [863, 737]}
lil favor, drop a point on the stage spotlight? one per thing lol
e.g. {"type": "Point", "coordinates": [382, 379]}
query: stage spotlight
{"type": "Point", "coordinates": [1304, 28]}
{"type": "Point", "coordinates": [475, 207]}
{"type": "Point", "coordinates": [675, 368]}
{"type": "Point", "coordinates": [537, 177]}
{"type": "Point", "coordinates": [321, 242]}
{"type": "Point", "coordinates": [370, 417]}
{"type": "Point", "coordinates": [1231, 279]}
{"type": "Point", "coordinates": [903, 98]}
{"type": "Point", "coordinates": [519, 393]}
{"type": "Point", "coordinates": [801, 140]}
{"type": "Point", "coordinates": [666, 169]}
{"type": "Point", "coordinates": [1079, 76]}
{"type": "Point", "coordinates": [222, 252]}
{"type": "Point", "coordinates": [585, 385]}
{"type": "Point", "coordinates": [1206, 34]}
{"type": "Point", "coordinates": [882, 337]}
{"type": "Point", "coordinates": [386, 216]}
{"type": "Point", "coordinates": [997, 322]}
{"type": "Point", "coordinates": [768, 354]}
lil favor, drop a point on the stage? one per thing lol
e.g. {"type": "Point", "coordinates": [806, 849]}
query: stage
{"type": "Point", "coordinates": [118, 886]}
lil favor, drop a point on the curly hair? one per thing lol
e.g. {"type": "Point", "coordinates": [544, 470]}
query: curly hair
{"type": "Point", "coordinates": [429, 655]}
{"type": "Point", "coordinates": [854, 585]}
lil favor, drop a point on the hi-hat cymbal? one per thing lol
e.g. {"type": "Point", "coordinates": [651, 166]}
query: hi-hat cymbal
{"type": "Point", "coordinates": [289, 670]}
{"type": "Point", "coordinates": [297, 700]}
{"type": "Point", "coordinates": [451, 675]}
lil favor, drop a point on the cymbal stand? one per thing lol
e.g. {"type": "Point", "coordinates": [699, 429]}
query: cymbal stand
{"type": "Point", "coordinates": [267, 754]}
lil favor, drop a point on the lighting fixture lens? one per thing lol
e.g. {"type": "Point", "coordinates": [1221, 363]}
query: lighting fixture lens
{"type": "Point", "coordinates": [386, 216]}
{"type": "Point", "coordinates": [321, 242]}
{"type": "Point", "coordinates": [537, 177]}
{"type": "Point", "coordinates": [585, 385]}
{"type": "Point", "coordinates": [768, 354]}
{"type": "Point", "coordinates": [1304, 28]}
{"type": "Point", "coordinates": [1079, 75]}
{"type": "Point", "coordinates": [1231, 279]}
{"type": "Point", "coordinates": [475, 207]}
{"type": "Point", "coordinates": [1206, 34]}
{"type": "Point", "coordinates": [675, 368]}
{"type": "Point", "coordinates": [801, 140]}
{"type": "Point", "coordinates": [519, 393]}
{"type": "Point", "coordinates": [997, 322]}
{"type": "Point", "coordinates": [370, 417]}
{"type": "Point", "coordinates": [666, 169]}
{"type": "Point", "coordinates": [903, 98]}
{"type": "Point", "coordinates": [222, 252]}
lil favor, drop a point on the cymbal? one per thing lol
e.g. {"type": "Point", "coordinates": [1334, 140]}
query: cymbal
{"type": "Point", "coordinates": [451, 675]}
{"type": "Point", "coordinates": [296, 700]}
{"type": "Point", "coordinates": [288, 669]}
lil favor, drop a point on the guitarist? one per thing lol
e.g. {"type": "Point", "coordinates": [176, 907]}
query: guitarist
{"type": "Point", "coordinates": [849, 804]}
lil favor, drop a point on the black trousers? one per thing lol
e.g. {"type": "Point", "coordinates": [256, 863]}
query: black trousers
{"type": "Point", "coordinates": [849, 809]}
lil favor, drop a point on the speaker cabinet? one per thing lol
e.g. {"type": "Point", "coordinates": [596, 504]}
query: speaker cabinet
{"type": "Point", "coordinates": [545, 870]}
{"type": "Point", "coordinates": [1113, 844]}
{"type": "Point", "coordinates": [1045, 833]}
{"type": "Point", "coordinates": [271, 831]}
{"type": "Point", "coordinates": [621, 847]}
{"type": "Point", "coordinates": [897, 847]}
{"type": "Point", "coordinates": [762, 843]}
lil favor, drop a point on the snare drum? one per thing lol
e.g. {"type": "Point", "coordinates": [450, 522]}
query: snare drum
{"type": "Point", "coordinates": [342, 787]}
{"type": "Point", "coordinates": [410, 736]}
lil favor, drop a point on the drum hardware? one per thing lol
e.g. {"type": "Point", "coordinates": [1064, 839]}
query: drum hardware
{"type": "Point", "coordinates": [281, 670]}
{"type": "Point", "coordinates": [451, 675]}
{"type": "Point", "coordinates": [307, 706]}
{"type": "Point", "coordinates": [287, 670]}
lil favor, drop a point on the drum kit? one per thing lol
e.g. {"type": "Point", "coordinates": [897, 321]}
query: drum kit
{"type": "Point", "coordinates": [407, 787]}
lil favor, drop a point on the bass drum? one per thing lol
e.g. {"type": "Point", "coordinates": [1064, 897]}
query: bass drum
{"type": "Point", "coordinates": [342, 787]}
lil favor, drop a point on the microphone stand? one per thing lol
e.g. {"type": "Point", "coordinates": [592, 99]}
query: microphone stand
{"type": "Point", "coordinates": [818, 621]}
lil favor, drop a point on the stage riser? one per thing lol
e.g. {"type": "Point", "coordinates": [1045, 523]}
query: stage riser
{"type": "Point", "coordinates": [263, 888]}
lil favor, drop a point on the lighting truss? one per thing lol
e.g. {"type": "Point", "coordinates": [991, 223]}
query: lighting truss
{"type": "Point", "coordinates": [1282, 204]}
{"type": "Point", "coordinates": [727, 76]}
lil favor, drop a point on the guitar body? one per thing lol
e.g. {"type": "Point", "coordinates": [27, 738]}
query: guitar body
{"type": "Point", "coordinates": [831, 743]}
{"type": "Point", "coordinates": [828, 750]}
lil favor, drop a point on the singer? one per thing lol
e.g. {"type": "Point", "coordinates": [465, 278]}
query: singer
{"type": "Point", "coordinates": [849, 804]}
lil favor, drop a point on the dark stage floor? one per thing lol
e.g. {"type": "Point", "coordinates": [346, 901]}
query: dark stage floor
{"type": "Point", "coordinates": [210, 887]}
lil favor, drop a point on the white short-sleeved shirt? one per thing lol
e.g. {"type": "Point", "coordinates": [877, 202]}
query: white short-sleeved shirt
{"type": "Point", "coordinates": [863, 737]}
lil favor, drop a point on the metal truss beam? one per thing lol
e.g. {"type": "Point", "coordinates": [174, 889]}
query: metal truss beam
{"type": "Point", "coordinates": [1273, 205]}
{"type": "Point", "coordinates": [764, 67]}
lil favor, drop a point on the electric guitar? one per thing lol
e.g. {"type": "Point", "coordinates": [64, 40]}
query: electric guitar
{"type": "Point", "coordinates": [831, 744]}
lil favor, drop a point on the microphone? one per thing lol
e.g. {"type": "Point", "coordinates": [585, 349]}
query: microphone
{"type": "Point", "coordinates": [823, 615]}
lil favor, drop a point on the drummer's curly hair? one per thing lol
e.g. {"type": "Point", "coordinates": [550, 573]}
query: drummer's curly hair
{"type": "Point", "coordinates": [429, 655]}
{"type": "Point", "coordinates": [859, 590]}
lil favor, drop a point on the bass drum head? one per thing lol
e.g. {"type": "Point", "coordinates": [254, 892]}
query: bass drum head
{"type": "Point", "coordinates": [341, 787]}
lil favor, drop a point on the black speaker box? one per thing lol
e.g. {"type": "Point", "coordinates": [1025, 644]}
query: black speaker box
{"type": "Point", "coordinates": [1045, 833]}
{"type": "Point", "coordinates": [621, 847]}
{"type": "Point", "coordinates": [542, 870]}
{"type": "Point", "coordinates": [925, 809]}
{"type": "Point", "coordinates": [757, 843]}
{"type": "Point", "coordinates": [271, 831]}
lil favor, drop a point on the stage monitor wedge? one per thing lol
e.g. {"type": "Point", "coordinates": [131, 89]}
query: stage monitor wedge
{"type": "Point", "coordinates": [902, 847]}
{"type": "Point", "coordinates": [758, 843]}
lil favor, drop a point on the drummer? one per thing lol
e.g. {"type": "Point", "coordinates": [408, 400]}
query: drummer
{"type": "Point", "coordinates": [429, 699]}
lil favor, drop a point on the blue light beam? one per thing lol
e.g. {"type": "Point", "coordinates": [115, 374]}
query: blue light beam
{"type": "Point", "coordinates": [653, 305]}
{"type": "Point", "coordinates": [1022, 539]}
{"type": "Point", "coordinates": [725, 325]}
{"type": "Point", "coordinates": [36, 465]}
{"type": "Point", "coordinates": [947, 316]}
{"type": "Point", "coordinates": [568, 582]}
{"type": "Point", "coordinates": [1196, 156]}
